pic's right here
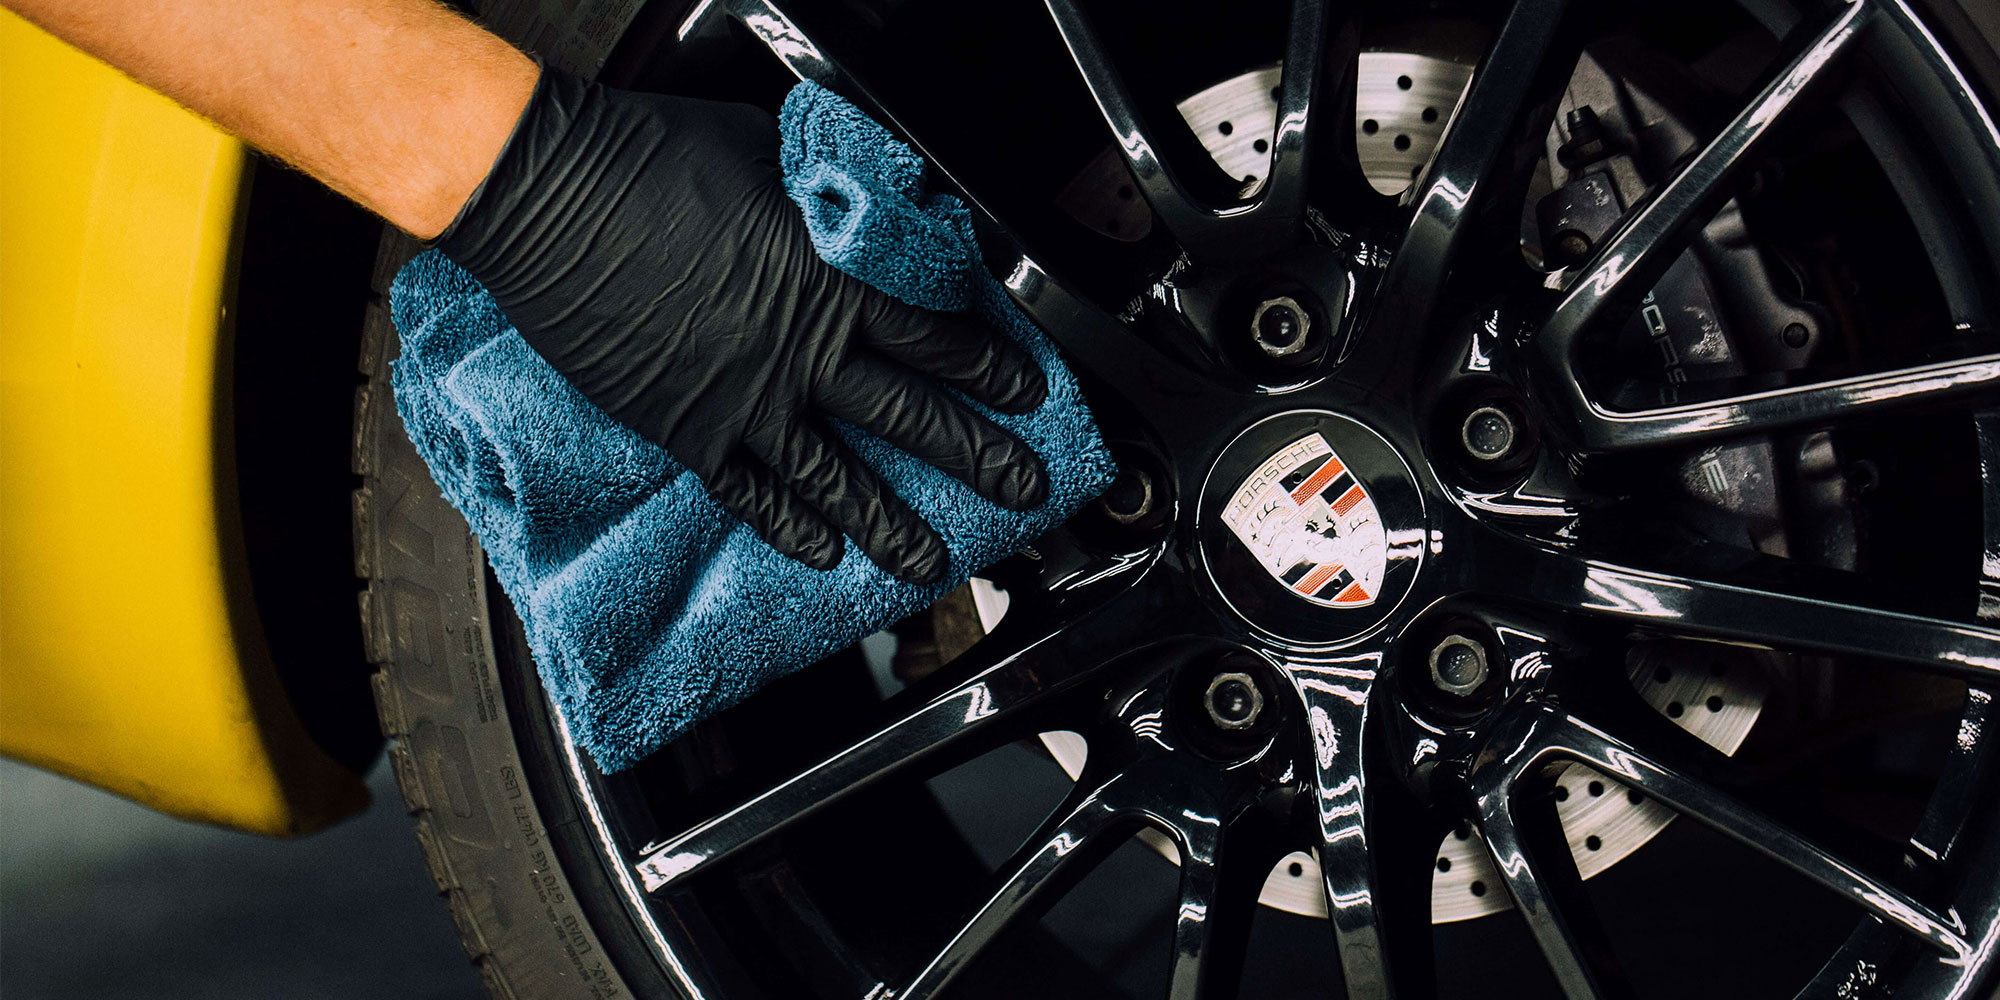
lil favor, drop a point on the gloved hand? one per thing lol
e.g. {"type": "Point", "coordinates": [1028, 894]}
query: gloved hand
{"type": "Point", "coordinates": [645, 246]}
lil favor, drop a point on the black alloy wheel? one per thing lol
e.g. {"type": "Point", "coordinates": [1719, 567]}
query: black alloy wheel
{"type": "Point", "coordinates": [1458, 387]}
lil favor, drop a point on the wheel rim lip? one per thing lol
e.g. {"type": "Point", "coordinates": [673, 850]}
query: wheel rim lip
{"type": "Point", "coordinates": [642, 903]}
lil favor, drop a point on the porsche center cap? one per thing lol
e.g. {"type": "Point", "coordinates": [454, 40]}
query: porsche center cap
{"type": "Point", "coordinates": [1312, 526]}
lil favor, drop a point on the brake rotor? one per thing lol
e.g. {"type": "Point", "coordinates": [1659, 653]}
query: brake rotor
{"type": "Point", "coordinates": [1403, 101]}
{"type": "Point", "coordinates": [1714, 692]}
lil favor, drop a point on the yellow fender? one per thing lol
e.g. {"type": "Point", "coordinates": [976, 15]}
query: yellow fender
{"type": "Point", "coordinates": [130, 652]}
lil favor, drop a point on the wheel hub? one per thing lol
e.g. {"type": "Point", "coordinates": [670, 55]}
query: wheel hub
{"type": "Point", "coordinates": [1264, 532]}
{"type": "Point", "coordinates": [1312, 527]}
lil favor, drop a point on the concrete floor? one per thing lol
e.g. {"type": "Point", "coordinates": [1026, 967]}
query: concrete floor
{"type": "Point", "coordinates": [104, 899]}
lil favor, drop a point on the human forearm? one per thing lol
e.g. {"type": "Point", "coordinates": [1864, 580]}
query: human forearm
{"type": "Point", "coordinates": [401, 105]}
{"type": "Point", "coordinates": [643, 244]}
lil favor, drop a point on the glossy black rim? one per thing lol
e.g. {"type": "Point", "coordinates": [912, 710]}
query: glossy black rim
{"type": "Point", "coordinates": [1119, 629]}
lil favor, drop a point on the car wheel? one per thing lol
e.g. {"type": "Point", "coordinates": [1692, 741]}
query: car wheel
{"type": "Point", "coordinates": [1557, 550]}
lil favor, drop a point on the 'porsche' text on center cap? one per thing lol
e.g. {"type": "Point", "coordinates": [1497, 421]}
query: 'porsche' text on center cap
{"type": "Point", "coordinates": [1311, 524]}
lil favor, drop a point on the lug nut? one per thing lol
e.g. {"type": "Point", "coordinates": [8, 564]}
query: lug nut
{"type": "Point", "coordinates": [1458, 665]}
{"type": "Point", "coordinates": [1130, 499]}
{"type": "Point", "coordinates": [1280, 326]}
{"type": "Point", "coordinates": [1488, 434]}
{"type": "Point", "coordinates": [1233, 701]}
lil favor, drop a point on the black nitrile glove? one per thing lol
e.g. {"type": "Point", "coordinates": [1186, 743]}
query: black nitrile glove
{"type": "Point", "coordinates": [644, 245]}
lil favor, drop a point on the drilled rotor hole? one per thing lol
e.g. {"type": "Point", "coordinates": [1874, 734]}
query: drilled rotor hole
{"type": "Point", "coordinates": [1715, 703]}
{"type": "Point", "coordinates": [1663, 675]}
{"type": "Point", "coordinates": [1593, 842]}
{"type": "Point", "coordinates": [1277, 93]}
{"type": "Point", "coordinates": [1562, 794]}
{"type": "Point", "coordinates": [1479, 888]}
{"type": "Point", "coordinates": [1430, 114]}
{"type": "Point", "coordinates": [1402, 142]}
{"type": "Point", "coordinates": [1464, 831]}
{"type": "Point", "coordinates": [1404, 83]}
{"type": "Point", "coordinates": [1296, 869]}
{"type": "Point", "coordinates": [1371, 126]}
{"type": "Point", "coordinates": [1596, 789]}
{"type": "Point", "coordinates": [1225, 128]}
{"type": "Point", "coordinates": [1632, 795]}
{"type": "Point", "coordinates": [1261, 146]}
{"type": "Point", "coordinates": [1444, 864]}
{"type": "Point", "coordinates": [1249, 178]}
{"type": "Point", "coordinates": [1414, 171]}
{"type": "Point", "coordinates": [1675, 708]}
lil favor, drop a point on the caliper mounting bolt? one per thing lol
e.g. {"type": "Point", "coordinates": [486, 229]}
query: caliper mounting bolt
{"type": "Point", "coordinates": [1233, 701]}
{"type": "Point", "coordinates": [1588, 141]}
{"type": "Point", "coordinates": [1573, 246]}
{"type": "Point", "coordinates": [1280, 327]}
{"type": "Point", "coordinates": [1458, 665]}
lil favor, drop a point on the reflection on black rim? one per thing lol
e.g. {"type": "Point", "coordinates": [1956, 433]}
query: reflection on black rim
{"type": "Point", "coordinates": [1379, 774]}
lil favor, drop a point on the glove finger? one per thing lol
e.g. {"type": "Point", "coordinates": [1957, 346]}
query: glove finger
{"type": "Point", "coordinates": [760, 498]}
{"type": "Point", "coordinates": [849, 495]}
{"type": "Point", "coordinates": [965, 353]}
{"type": "Point", "coordinates": [915, 414]}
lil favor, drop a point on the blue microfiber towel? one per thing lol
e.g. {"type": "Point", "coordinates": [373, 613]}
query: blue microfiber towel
{"type": "Point", "coordinates": [647, 606]}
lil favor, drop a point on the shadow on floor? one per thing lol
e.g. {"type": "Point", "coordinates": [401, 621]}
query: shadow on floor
{"type": "Point", "coordinates": [105, 899]}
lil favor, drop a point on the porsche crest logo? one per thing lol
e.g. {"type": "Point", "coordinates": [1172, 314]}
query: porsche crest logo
{"type": "Point", "coordinates": [1312, 525]}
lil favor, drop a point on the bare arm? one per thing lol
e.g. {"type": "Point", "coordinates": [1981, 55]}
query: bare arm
{"type": "Point", "coordinates": [643, 244]}
{"type": "Point", "coordinates": [401, 105]}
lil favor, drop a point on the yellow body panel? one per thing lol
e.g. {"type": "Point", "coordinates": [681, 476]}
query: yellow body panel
{"type": "Point", "coordinates": [130, 655]}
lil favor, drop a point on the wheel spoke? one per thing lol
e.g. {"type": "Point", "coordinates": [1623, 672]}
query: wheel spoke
{"type": "Point", "coordinates": [1196, 958]}
{"type": "Point", "coordinates": [1532, 856]}
{"type": "Point", "coordinates": [1079, 835]}
{"type": "Point", "coordinates": [1635, 256]}
{"type": "Point", "coordinates": [1819, 404]}
{"type": "Point", "coordinates": [1237, 230]}
{"type": "Point", "coordinates": [1568, 737]}
{"type": "Point", "coordinates": [1281, 209]}
{"type": "Point", "coordinates": [1091, 339]}
{"type": "Point", "coordinates": [1376, 869]}
{"type": "Point", "coordinates": [1511, 78]}
{"type": "Point", "coordinates": [1178, 405]}
{"type": "Point", "coordinates": [1036, 652]}
{"type": "Point", "coordinates": [1986, 427]}
{"type": "Point", "coordinates": [1785, 620]}
{"type": "Point", "coordinates": [770, 23]}
{"type": "Point", "coordinates": [1217, 904]}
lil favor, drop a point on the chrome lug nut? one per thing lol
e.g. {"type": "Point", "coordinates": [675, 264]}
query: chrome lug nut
{"type": "Point", "coordinates": [1458, 665]}
{"type": "Point", "coordinates": [1279, 327]}
{"type": "Point", "coordinates": [1131, 498]}
{"type": "Point", "coordinates": [1233, 701]}
{"type": "Point", "coordinates": [1489, 434]}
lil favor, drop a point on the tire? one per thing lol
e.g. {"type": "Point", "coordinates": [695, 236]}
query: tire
{"type": "Point", "coordinates": [455, 740]}
{"type": "Point", "coordinates": [471, 740]}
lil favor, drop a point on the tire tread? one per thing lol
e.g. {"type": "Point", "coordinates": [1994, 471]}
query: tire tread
{"type": "Point", "coordinates": [436, 698]}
